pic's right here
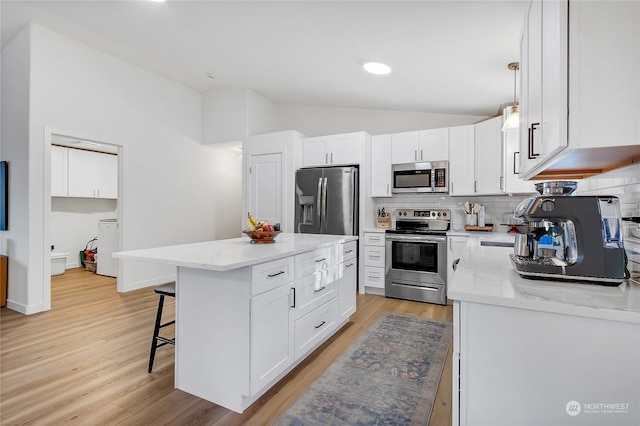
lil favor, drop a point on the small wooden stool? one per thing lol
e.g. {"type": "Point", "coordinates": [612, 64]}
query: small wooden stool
{"type": "Point", "coordinates": [168, 289]}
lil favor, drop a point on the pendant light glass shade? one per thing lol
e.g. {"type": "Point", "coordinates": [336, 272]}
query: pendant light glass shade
{"type": "Point", "coordinates": [512, 123]}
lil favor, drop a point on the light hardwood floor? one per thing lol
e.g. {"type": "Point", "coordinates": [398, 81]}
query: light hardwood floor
{"type": "Point", "coordinates": [85, 361]}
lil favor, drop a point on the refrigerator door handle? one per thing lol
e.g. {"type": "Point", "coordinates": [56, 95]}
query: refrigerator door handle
{"type": "Point", "coordinates": [319, 204]}
{"type": "Point", "coordinates": [324, 205]}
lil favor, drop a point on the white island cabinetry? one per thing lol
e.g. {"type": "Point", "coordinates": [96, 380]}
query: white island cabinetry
{"type": "Point", "coordinates": [247, 314]}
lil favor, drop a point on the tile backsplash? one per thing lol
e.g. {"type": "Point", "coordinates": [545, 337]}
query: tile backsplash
{"type": "Point", "coordinates": [623, 183]}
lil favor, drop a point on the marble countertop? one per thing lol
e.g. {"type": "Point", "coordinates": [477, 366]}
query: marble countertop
{"type": "Point", "coordinates": [485, 275]}
{"type": "Point", "coordinates": [225, 255]}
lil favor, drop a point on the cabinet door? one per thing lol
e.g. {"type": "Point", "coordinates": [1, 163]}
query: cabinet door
{"type": "Point", "coordinates": [347, 288]}
{"type": "Point", "coordinates": [488, 156]}
{"type": "Point", "coordinates": [345, 149]}
{"type": "Point", "coordinates": [512, 183]}
{"type": "Point", "coordinates": [265, 187]}
{"type": "Point", "coordinates": [272, 334]}
{"type": "Point", "coordinates": [105, 172]}
{"type": "Point", "coordinates": [81, 174]}
{"type": "Point", "coordinates": [404, 147]}
{"type": "Point", "coordinates": [381, 166]}
{"type": "Point", "coordinates": [315, 151]}
{"type": "Point", "coordinates": [434, 145]}
{"type": "Point", "coordinates": [455, 248]}
{"type": "Point", "coordinates": [59, 171]}
{"type": "Point", "coordinates": [461, 160]}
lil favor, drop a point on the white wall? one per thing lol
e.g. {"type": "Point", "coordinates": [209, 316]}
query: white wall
{"type": "Point", "coordinates": [170, 186]}
{"type": "Point", "coordinates": [15, 150]}
{"type": "Point", "coordinates": [318, 121]}
{"type": "Point", "coordinates": [74, 221]}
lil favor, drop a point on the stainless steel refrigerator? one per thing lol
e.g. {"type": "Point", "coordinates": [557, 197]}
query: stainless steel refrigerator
{"type": "Point", "coordinates": [327, 201]}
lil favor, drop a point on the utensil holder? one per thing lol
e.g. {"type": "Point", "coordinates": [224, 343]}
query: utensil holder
{"type": "Point", "coordinates": [472, 219]}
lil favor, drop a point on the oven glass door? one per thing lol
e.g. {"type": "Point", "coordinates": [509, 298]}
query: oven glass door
{"type": "Point", "coordinates": [414, 256]}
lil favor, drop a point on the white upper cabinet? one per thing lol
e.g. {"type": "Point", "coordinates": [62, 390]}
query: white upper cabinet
{"type": "Point", "coordinates": [434, 145]}
{"type": "Point", "coordinates": [461, 160]}
{"type": "Point", "coordinates": [91, 174]}
{"type": "Point", "coordinates": [265, 198]}
{"type": "Point", "coordinates": [59, 171]}
{"type": "Point", "coordinates": [426, 145]}
{"type": "Point", "coordinates": [488, 155]}
{"type": "Point", "coordinates": [511, 181]}
{"type": "Point", "coordinates": [332, 150]}
{"type": "Point", "coordinates": [580, 88]}
{"type": "Point", "coordinates": [381, 166]}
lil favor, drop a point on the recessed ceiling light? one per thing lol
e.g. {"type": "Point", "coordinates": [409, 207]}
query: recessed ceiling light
{"type": "Point", "coordinates": [158, 1]}
{"type": "Point", "coordinates": [377, 68]}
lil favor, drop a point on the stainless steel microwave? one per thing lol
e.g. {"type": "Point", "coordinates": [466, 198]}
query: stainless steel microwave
{"type": "Point", "coordinates": [420, 177]}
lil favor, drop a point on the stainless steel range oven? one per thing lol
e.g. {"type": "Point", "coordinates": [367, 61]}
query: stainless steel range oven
{"type": "Point", "coordinates": [416, 255]}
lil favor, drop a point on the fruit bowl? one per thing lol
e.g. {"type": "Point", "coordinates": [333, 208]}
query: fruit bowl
{"type": "Point", "coordinates": [262, 237]}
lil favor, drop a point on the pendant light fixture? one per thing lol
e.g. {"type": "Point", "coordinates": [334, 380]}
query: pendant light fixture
{"type": "Point", "coordinates": [512, 123]}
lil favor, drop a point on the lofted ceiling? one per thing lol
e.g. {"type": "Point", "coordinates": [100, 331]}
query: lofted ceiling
{"type": "Point", "coordinates": [446, 56]}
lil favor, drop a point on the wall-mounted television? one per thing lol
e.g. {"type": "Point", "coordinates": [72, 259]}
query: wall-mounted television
{"type": "Point", "coordinates": [4, 195]}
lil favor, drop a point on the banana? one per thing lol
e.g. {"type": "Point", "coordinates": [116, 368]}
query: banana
{"type": "Point", "coordinates": [250, 226]}
{"type": "Point", "coordinates": [251, 220]}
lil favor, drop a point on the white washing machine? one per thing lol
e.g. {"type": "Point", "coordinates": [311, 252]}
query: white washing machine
{"type": "Point", "coordinates": [108, 242]}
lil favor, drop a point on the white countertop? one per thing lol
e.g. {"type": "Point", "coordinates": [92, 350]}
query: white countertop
{"type": "Point", "coordinates": [485, 275]}
{"type": "Point", "coordinates": [225, 255]}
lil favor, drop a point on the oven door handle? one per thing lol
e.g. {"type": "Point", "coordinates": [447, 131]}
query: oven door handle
{"type": "Point", "coordinates": [419, 287]}
{"type": "Point", "coordinates": [416, 238]}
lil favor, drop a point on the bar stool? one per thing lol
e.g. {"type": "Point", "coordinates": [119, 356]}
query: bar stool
{"type": "Point", "coordinates": [168, 289]}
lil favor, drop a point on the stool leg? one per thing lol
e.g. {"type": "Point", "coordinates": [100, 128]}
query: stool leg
{"type": "Point", "coordinates": [156, 332]}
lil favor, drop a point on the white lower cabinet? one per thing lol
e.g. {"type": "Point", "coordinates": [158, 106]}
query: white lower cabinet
{"type": "Point", "coordinates": [347, 281]}
{"type": "Point", "coordinates": [272, 344]}
{"type": "Point", "coordinates": [455, 247]}
{"type": "Point", "coordinates": [374, 262]}
{"type": "Point", "coordinates": [516, 366]}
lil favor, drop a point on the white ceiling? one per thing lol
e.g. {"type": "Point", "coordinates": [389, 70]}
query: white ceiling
{"type": "Point", "coordinates": [447, 56]}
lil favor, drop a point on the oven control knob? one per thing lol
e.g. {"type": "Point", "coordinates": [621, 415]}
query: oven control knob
{"type": "Point", "coordinates": [444, 214]}
{"type": "Point", "coordinates": [439, 214]}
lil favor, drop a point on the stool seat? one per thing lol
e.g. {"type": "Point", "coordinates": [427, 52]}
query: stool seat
{"type": "Point", "coordinates": [167, 289]}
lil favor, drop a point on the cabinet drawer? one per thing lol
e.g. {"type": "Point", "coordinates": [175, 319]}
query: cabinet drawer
{"type": "Point", "coordinates": [348, 251]}
{"type": "Point", "coordinates": [313, 291]}
{"type": "Point", "coordinates": [373, 277]}
{"type": "Point", "coordinates": [271, 274]}
{"type": "Point", "coordinates": [374, 256]}
{"type": "Point", "coordinates": [374, 239]}
{"type": "Point", "coordinates": [310, 263]}
{"type": "Point", "coordinates": [312, 329]}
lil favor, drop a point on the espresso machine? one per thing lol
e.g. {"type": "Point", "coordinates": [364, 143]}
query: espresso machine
{"type": "Point", "coordinates": [576, 238]}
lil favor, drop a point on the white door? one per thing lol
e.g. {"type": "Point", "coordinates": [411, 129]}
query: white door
{"type": "Point", "coordinates": [265, 192]}
{"type": "Point", "coordinates": [461, 160]}
{"type": "Point", "coordinates": [381, 166]}
{"type": "Point", "coordinates": [59, 171]}
{"type": "Point", "coordinates": [488, 155]}
{"type": "Point", "coordinates": [272, 345]}
{"type": "Point", "coordinates": [404, 147]}
{"type": "Point", "coordinates": [106, 175]}
{"type": "Point", "coordinates": [315, 151]}
{"type": "Point", "coordinates": [434, 145]}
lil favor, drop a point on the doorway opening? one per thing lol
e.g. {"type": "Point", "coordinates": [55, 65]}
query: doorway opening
{"type": "Point", "coordinates": [82, 219]}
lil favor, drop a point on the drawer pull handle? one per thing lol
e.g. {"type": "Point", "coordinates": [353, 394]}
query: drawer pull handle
{"type": "Point", "coordinates": [348, 251]}
{"type": "Point", "coordinates": [373, 256]}
{"type": "Point", "coordinates": [321, 324]}
{"type": "Point", "coordinates": [320, 289]}
{"type": "Point", "coordinates": [349, 265]}
{"type": "Point", "coordinates": [276, 274]}
{"type": "Point", "coordinates": [321, 260]}
{"type": "Point", "coordinates": [293, 302]}
{"type": "Point", "coordinates": [374, 277]}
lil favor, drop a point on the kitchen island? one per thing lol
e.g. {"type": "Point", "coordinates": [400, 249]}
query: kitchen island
{"type": "Point", "coordinates": [532, 352]}
{"type": "Point", "coordinates": [247, 314]}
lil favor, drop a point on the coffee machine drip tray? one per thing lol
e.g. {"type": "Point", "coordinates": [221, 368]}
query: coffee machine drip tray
{"type": "Point", "coordinates": [553, 269]}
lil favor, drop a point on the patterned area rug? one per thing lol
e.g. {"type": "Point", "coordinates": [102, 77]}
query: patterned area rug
{"type": "Point", "coordinates": [388, 376]}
